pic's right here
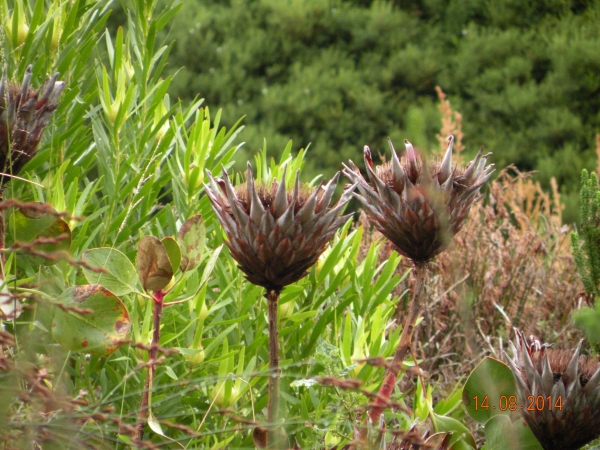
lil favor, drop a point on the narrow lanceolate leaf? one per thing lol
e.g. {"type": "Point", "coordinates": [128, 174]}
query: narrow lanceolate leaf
{"type": "Point", "coordinates": [90, 319]}
{"type": "Point", "coordinates": [118, 274]}
{"type": "Point", "coordinates": [39, 224]}
{"type": "Point", "coordinates": [191, 237]}
{"type": "Point", "coordinates": [154, 267]}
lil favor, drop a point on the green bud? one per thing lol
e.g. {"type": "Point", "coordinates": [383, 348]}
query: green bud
{"type": "Point", "coordinates": [221, 397]}
{"type": "Point", "coordinates": [197, 357]}
{"type": "Point", "coordinates": [22, 27]}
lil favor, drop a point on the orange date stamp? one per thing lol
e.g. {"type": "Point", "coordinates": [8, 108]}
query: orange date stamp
{"type": "Point", "coordinates": [510, 403]}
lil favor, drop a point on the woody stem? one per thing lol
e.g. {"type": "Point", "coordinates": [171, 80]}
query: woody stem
{"type": "Point", "coordinates": [2, 233]}
{"type": "Point", "coordinates": [387, 388]}
{"type": "Point", "coordinates": [152, 357]}
{"type": "Point", "coordinates": [274, 372]}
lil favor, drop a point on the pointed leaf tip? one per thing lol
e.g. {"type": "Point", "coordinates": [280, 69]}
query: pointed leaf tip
{"type": "Point", "coordinates": [367, 155]}
{"type": "Point", "coordinates": [446, 165]}
{"type": "Point", "coordinates": [410, 151]}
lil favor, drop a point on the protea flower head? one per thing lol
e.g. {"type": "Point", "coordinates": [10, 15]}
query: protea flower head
{"type": "Point", "coordinates": [274, 234]}
{"type": "Point", "coordinates": [24, 114]}
{"type": "Point", "coordinates": [419, 205]}
{"type": "Point", "coordinates": [568, 384]}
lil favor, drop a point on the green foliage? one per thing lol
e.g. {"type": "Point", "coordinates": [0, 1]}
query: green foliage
{"type": "Point", "coordinates": [587, 254]}
{"type": "Point", "coordinates": [119, 178]}
{"type": "Point", "coordinates": [491, 379]}
{"type": "Point", "coordinates": [192, 243]}
{"type": "Point", "coordinates": [342, 74]}
{"type": "Point", "coordinates": [588, 320]}
{"type": "Point", "coordinates": [501, 433]}
{"type": "Point", "coordinates": [27, 225]}
{"type": "Point", "coordinates": [98, 332]}
{"type": "Point", "coordinates": [121, 168]}
{"type": "Point", "coordinates": [117, 275]}
{"type": "Point", "coordinates": [305, 70]}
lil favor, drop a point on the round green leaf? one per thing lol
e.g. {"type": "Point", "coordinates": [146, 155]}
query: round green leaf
{"type": "Point", "coordinates": [191, 237]}
{"type": "Point", "coordinates": [39, 221]}
{"type": "Point", "coordinates": [97, 331]}
{"type": "Point", "coordinates": [120, 276]}
{"type": "Point", "coordinates": [501, 433]}
{"type": "Point", "coordinates": [153, 264]}
{"type": "Point", "coordinates": [489, 381]}
{"type": "Point", "coordinates": [173, 252]}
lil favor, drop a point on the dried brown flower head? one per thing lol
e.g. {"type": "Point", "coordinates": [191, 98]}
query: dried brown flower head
{"type": "Point", "coordinates": [23, 116]}
{"type": "Point", "coordinates": [569, 381]}
{"type": "Point", "coordinates": [276, 235]}
{"type": "Point", "coordinates": [419, 205]}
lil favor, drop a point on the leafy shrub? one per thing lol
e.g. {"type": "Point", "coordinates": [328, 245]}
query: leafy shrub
{"type": "Point", "coordinates": [121, 167]}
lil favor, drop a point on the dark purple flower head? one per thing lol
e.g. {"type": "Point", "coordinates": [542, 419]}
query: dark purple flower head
{"type": "Point", "coordinates": [24, 113]}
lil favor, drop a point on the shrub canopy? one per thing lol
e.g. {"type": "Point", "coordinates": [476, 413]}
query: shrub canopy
{"type": "Point", "coordinates": [342, 74]}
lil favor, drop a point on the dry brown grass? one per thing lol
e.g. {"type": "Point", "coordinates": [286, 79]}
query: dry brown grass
{"type": "Point", "coordinates": [510, 266]}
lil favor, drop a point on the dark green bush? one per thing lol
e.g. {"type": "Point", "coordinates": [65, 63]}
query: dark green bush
{"type": "Point", "coordinates": [342, 74]}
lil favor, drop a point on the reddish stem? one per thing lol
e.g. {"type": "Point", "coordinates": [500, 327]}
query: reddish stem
{"type": "Point", "coordinates": [2, 233]}
{"type": "Point", "coordinates": [389, 382]}
{"type": "Point", "coordinates": [273, 440]}
{"type": "Point", "coordinates": [158, 297]}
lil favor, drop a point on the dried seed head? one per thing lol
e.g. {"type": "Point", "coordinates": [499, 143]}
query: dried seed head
{"type": "Point", "coordinates": [563, 378]}
{"type": "Point", "coordinates": [24, 113]}
{"type": "Point", "coordinates": [419, 205]}
{"type": "Point", "coordinates": [274, 234]}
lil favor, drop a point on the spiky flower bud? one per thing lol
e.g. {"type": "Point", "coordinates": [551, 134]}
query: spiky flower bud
{"type": "Point", "coordinates": [276, 235]}
{"type": "Point", "coordinates": [566, 383]}
{"type": "Point", "coordinates": [419, 205]}
{"type": "Point", "coordinates": [24, 114]}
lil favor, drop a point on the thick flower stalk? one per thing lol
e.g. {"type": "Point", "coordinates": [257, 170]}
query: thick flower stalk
{"type": "Point", "coordinates": [276, 235]}
{"type": "Point", "coordinates": [418, 206]}
{"type": "Point", "coordinates": [24, 114]}
{"type": "Point", "coordinates": [569, 386]}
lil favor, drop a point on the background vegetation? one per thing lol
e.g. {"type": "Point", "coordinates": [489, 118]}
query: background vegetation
{"type": "Point", "coordinates": [342, 74]}
{"type": "Point", "coordinates": [122, 159]}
